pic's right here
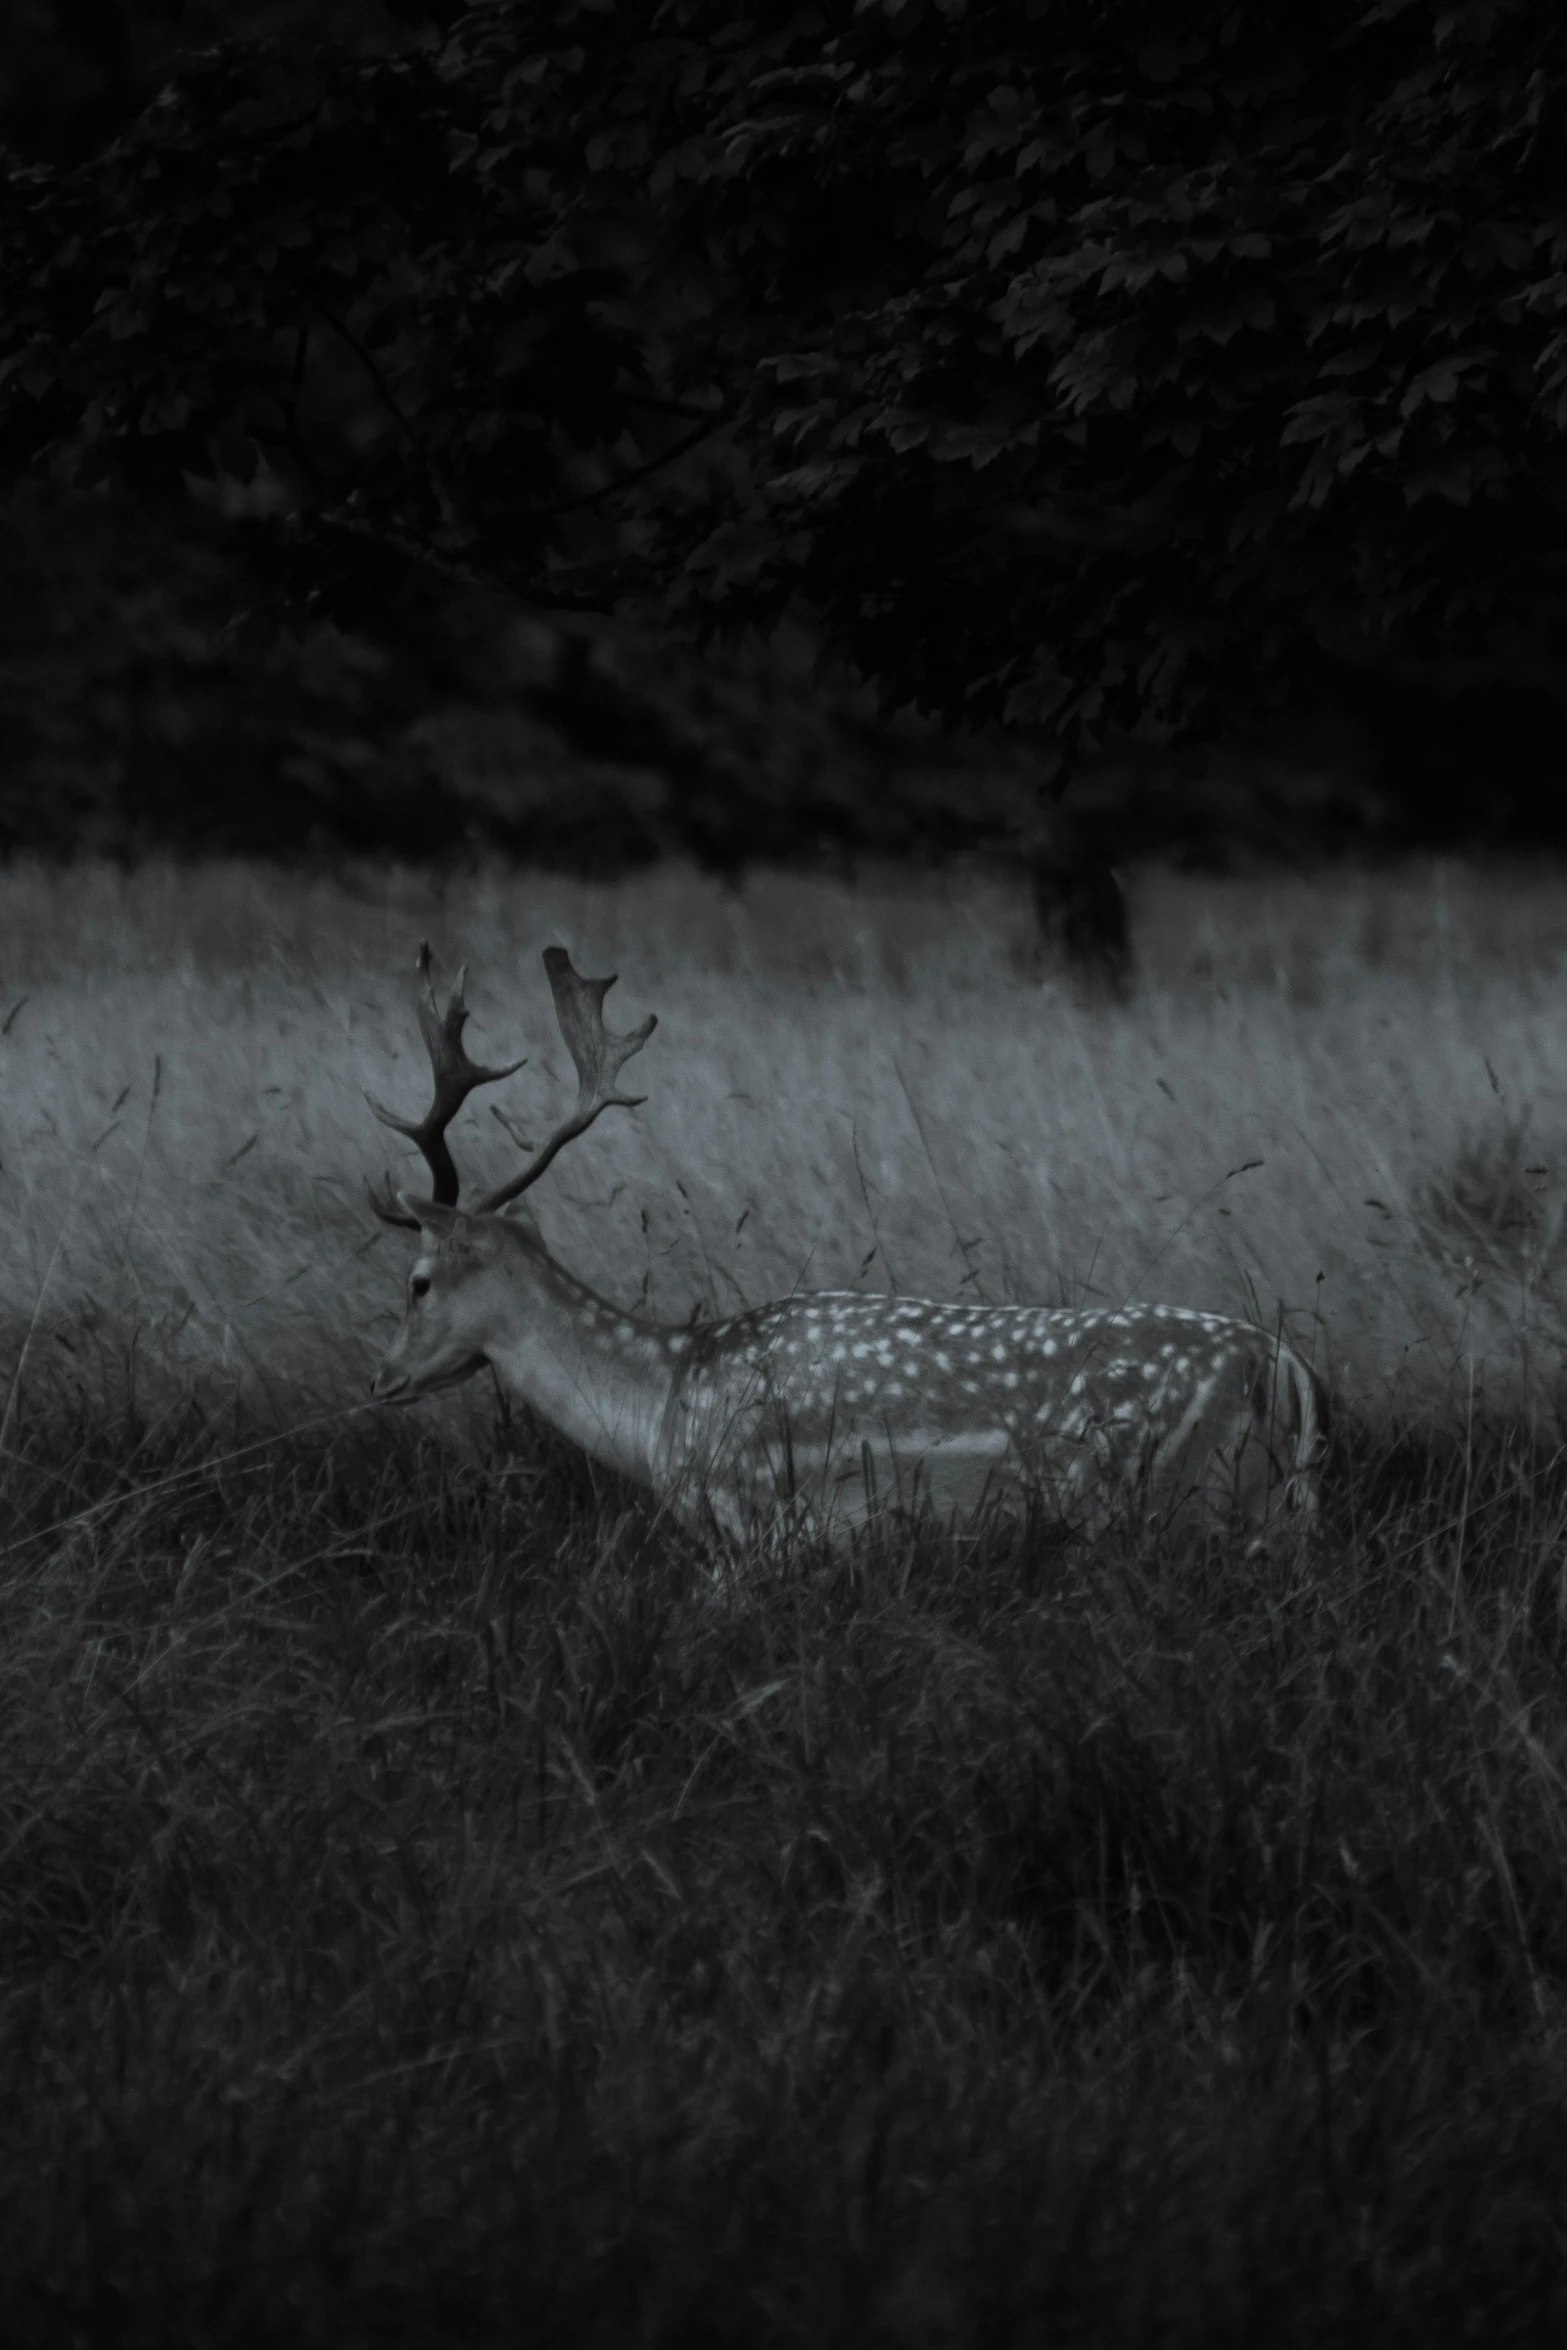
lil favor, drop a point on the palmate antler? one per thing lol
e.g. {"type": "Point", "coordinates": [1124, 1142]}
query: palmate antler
{"type": "Point", "coordinates": [599, 1057]}
{"type": "Point", "coordinates": [455, 1078]}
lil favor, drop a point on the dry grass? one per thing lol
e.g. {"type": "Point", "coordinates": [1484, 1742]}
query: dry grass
{"type": "Point", "coordinates": [428, 1916]}
{"type": "Point", "coordinates": [431, 1912]}
{"type": "Point", "coordinates": [1341, 1099]}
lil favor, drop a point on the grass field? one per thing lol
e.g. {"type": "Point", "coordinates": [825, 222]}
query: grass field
{"type": "Point", "coordinates": [1343, 1101]}
{"type": "Point", "coordinates": [433, 1914]}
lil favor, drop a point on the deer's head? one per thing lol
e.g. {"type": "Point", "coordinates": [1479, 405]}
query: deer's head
{"type": "Point", "coordinates": [460, 1298]}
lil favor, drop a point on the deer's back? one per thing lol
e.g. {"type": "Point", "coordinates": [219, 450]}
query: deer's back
{"type": "Point", "coordinates": [837, 1402]}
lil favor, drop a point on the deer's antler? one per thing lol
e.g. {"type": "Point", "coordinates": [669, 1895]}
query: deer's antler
{"type": "Point", "coordinates": [455, 1078]}
{"type": "Point", "coordinates": [599, 1056]}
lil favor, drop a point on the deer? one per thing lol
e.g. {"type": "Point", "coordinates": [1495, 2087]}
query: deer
{"type": "Point", "coordinates": [826, 1407]}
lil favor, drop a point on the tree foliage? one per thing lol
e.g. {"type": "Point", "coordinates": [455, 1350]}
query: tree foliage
{"type": "Point", "coordinates": [1082, 363]}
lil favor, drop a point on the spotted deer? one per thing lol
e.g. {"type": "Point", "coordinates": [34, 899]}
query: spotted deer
{"type": "Point", "coordinates": [825, 1407]}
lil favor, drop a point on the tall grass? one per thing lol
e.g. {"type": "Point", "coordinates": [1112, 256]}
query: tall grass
{"type": "Point", "coordinates": [433, 1910]}
{"type": "Point", "coordinates": [430, 1913]}
{"type": "Point", "coordinates": [1342, 1100]}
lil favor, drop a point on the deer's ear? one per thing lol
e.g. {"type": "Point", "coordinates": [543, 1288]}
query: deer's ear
{"type": "Point", "coordinates": [434, 1221]}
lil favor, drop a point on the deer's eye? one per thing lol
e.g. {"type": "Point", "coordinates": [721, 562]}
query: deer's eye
{"type": "Point", "coordinates": [419, 1286]}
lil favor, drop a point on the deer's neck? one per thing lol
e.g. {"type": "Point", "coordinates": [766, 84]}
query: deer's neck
{"type": "Point", "coordinates": [599, 1376]}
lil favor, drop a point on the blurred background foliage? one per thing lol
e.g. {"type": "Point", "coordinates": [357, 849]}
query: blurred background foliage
{"type": "Point", "coordinates": [73, 72]}
{"type": "Point", "coordinates": [599, 434]}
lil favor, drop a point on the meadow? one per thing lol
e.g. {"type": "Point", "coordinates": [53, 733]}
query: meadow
{"type": "Point", "coordinates": [1339, 1102]}
{"type": "Point", "coordinates": [434, 1912]}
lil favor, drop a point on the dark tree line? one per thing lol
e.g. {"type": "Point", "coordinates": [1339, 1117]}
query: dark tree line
{"type": "Point", "coordinates": [1091, 365]}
